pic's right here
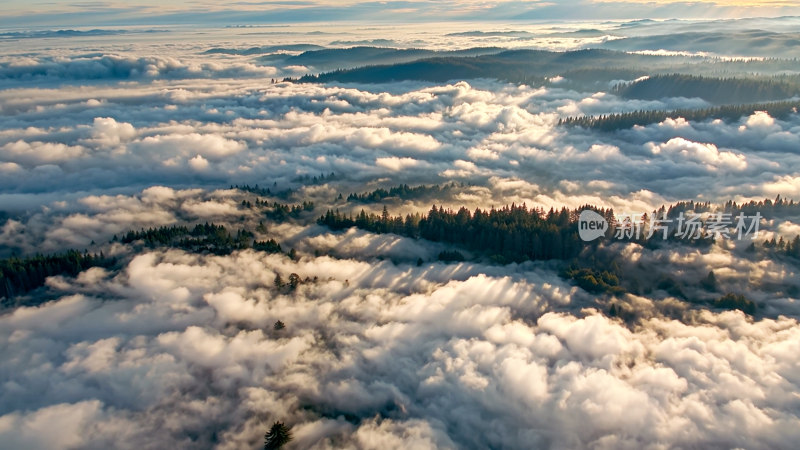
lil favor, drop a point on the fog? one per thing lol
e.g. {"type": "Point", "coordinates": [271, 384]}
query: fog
{"type": "Point", "coordinates": [384, 345]}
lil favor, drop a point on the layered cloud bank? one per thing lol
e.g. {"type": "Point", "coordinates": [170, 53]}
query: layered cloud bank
{"type": "Point", "coordinates": [215, 133]}
{"type": "Point", "coordinates": [384, 346]}
{"type": "Point", "coordinates": [170, 348]}
{"type": "Point", "coordinates": [178, 350]}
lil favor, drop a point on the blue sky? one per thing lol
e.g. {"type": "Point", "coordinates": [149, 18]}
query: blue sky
{"type": "Point", "coordinates": [15, 13]}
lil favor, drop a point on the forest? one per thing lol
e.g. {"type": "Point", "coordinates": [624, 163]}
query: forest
{"type": "Point", "coordinates": [510, 234]}
{"type": "Point", "coordinates": [719, 91]}
{"type": "Point", "coordinates": [581, 69]}
{"type": "Point", "coordinates": [518, 66]}
{"type": "Point", "coordinates": [202, 238]}
{"type": "Point", "coordinates": [21, 275]}
{"type": "Point", "coordinates": [334, 58]}
{"type": "Point", "coordinates": [402, 192]}
{"type": "Point", "coordinates": [623, 121]}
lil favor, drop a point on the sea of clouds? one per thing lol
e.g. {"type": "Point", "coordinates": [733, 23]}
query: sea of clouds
{"type": "Point", "coordinates": [178, 350]}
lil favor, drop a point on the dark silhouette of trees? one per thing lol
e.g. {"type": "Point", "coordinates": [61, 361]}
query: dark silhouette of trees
{"type": "Point", "coordinates": [403, 192]}
{"type": "Point", "coordinates": [268, 246]}
{"type": "Point", "coordinates": [21, 275]}
{"type": "Point", "coordinates": [321, 179]}
{"type": "Point", "coordinates": [280, 212]}
{"type": "Point", "coordinates": [729, 90]}
{"type": "Point", "coordinates": [451, 256]}
{"type": "Point", "coordinates": [516, 66]}
{"type": "Point", "coordinates": [277, 436]}
{"type": "Point", "coordinates": [294, 281]}
{"type": "Point", "coordinates": [202, 238]}
{"type": "Point", "coordinates": [735, 301]}
{"type": "Point", "coordinates": [709, 283]}
{"type": "Point", "coordinates": [511, 234]}
{"type": "Point", "coordinates": [594, 280]}
{"type": "Point", "coordinates": [623, 121]}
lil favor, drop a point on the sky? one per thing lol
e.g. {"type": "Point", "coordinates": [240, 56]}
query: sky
{"type": "Point", "coordinates": [16, 14]}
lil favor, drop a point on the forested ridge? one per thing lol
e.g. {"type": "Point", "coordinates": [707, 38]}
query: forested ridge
{"type": "Point", "coordinates": [513, 233]}
{"type": "Point", "coordinates": [579, 68]}
{"type": "Point", "coordinates": [518, 233]}
{"type": "Point", "coordinates": [624, 121]}
{"type": "Point", "coordinates": [202, 238]}
{"type": "Point", "coordinates": [21, 275]}
{"type": "Point", "coordinates": [728, 90]}
{"type": "Point", "coordinates": [519, 66]}
{"type": "Point", "coordinates": [403, 192]}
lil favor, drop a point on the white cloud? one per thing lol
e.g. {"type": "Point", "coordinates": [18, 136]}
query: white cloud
{"type": "Point", "coordinates": [198, 163]}
{"type": "Point", "coordinates": [413, 353]}
{"type": "Point", "coordinates": [169, 349]}
{"type": "Point", "coordinates": [397, 164]}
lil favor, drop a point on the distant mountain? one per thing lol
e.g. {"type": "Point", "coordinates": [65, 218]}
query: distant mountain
{"type": "Point", "coordinates": [623, 121]}
{"type": "Point", "coordinates": [264, 50]}
{"type": "Point", "coordinates": [750, 43]}
{"type": "Point", "coordinates": [345, 58]}
{"type": "Point", "coordinates": [491, 34]}
{"type": "Point", "coordinates": [587, 32]}
{"type": "Point", "coordinates": [581, 69]}
{"type": "Point", "coordinates": [513, 65]}
{"type": "Point", "coordinates": [64, 33]}
{"type": "Point", "coordinates": [368, 42]}
{"type": "Point", "coordinates": [714, 90]}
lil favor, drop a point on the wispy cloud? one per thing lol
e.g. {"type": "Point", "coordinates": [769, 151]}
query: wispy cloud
{"type": "Point", "coordinates": [65, 13]}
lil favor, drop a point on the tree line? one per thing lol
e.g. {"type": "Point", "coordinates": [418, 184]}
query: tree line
{"type": "Point", "coordinates": [21, 275]}
{"type": "Point", "coordinates": [715, 90]}
{"type": "Point", "coordinates": [510, 234]}
{"type": "Point", "coordinates": [202, 238]}
{"type": "Point", "coordinates": [402, 191]}
{"type": "Point", "coordinates": [278, 212]}
{"type": "Point", "coordinates": [624, 121]}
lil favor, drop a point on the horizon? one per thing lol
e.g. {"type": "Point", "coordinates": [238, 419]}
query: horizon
{"type": "Point", "coordinates": [61, 13]}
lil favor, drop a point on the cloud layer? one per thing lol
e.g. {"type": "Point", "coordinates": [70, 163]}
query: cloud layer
{"type": "Point", "coordinates": [178, 350]}
{"type": "Point", "coordinates": [384, 347]}
{"type": "Point", "coordinates": [229, 131]}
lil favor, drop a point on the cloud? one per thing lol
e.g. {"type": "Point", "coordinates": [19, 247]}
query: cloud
{"type": "Point", "coordinates": [407, 353]}
{"type": "Point", "coordinates": [397, 164]}
{"type": "Point", "coordinates": [701, 153]}
{"type": "Point", "coordinates": [109, 133]}
{"type": "Point", "coordinates": [236, 131]}
{"type": "Point", "coordinates": [118, 67]}
{"type": "Point", "coordinates": [198, 163]}
{"type": "Point", "coordinates": [39, 153]}
{"type": "Point", "coordinates": [380, 349]}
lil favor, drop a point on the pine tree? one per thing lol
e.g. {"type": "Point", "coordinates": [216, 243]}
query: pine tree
{"type": "Point", "coordinates": [277, 436]}
{"type": "Point", "coordinates": [294, 281]}
{"type": "Point", "coordinates": [709, 282]}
